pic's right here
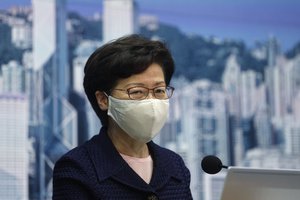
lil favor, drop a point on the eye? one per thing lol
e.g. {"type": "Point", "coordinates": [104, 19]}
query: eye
{"type": "Point", "coordinates": [160, 93]}
{"type": "Point", "coordinates": [160, 90]}
{"type": "Point", "coordinates": [137, 92]}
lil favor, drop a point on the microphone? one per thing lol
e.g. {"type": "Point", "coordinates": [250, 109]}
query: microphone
{"type": "Point", "coordinates": [212, 164]}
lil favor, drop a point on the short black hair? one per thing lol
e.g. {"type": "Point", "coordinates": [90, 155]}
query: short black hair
{"type": "Point", "coordinates": [120, 59]}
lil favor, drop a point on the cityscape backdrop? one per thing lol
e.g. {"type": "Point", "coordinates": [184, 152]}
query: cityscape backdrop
{"type": "Point", "coordinates": [237, 83]}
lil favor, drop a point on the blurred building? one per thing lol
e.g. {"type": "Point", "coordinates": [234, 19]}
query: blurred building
{"type": "Point", "coordinates": [273, 50]}
{"type": "Point", "coordinates": [5, 32]}
{"type": "Point", "coordinates": [248, 86]}
{"type": "Point", "coordinates": [13, 146]}
{"type": "Point", "coordinates": [119, 18]}
{"type": "Point", "coordinates": [22, 34]}
{"type": "Point", "coordinates": [271, 158]}
{"type": "Point", "coordinates": [56, 127]}
{"type": "Point", "coordinates": [262, 120]}
{"type": "Point", "coordinates": [14, 122]}
{"type": "Point", "coordinates": [89, 122]}
{"type": "Point", "coordinates": [13, 78]}
{"type": "Point", "coordinates": [200, 116]}
{"type": "Point", "coordinates": [231, 82]}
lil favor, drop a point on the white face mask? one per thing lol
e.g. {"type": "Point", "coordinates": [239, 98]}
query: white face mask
{"type": "Point", "coordinates": [140, 119]}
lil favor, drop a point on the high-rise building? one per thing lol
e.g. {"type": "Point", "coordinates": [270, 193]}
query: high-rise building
{"type": "Point", "coordinates": [13, 78]}
{"type": "Point", "coordinates": [291, 74]}
{"type": "Point", "coordinates": [13, 147]}
{"type": "Point", "coordinates": [277, 97]}
{"type": "Point", "coordinates": [273, 51]}
{"type": "Point", "coordinates": [211, 115]}
{"type": "Point", "coordinates": [291, 135]}
{"type": "Point", "coordinates": [119, 18]}
{"type": "Point", "coordinates": [50, 51]}
{"type": "Point", "coordinates": [271, 158]}
{"type": "Point", "coordinates": [84, 49]}
{"type": "Point", "coordinates": [296, 106]}
{"type": "Point", "coordinates": [231, 84]}
{"type": "Point", "coordinates": [261, 119]}
{"type": "Point", "coordinates": [56, 127]}
{"type": "Point", "coordinates": [248, 90]}
{"type": "Point", "coordinates": [89, 122]}
{"type": "Point", "coordinates": [204, 127]}
{"type": "Point", "coordinates": [5, 32]}
{"type": "Point", "coordinates": [248, 93]}
{"type": "Point", "coordinates": [21, 34]}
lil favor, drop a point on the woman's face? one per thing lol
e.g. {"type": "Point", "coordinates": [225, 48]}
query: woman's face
{"type": "Point", "coordinates": [152, 77]}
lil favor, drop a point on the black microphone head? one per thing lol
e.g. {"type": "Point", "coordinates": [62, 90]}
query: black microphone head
{"type": "Point", "coordinates": [211, 164]}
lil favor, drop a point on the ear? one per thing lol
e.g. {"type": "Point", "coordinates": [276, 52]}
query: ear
{"type": "Point", "coordinates": [102, 100]}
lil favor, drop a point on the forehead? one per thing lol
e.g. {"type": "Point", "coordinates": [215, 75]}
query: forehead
{"type": "Point", "coordinates": [152, 76]}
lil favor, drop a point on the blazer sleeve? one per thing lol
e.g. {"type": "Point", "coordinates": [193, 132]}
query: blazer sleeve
{"type": "Point", "coordinates": [187, 176]}
{"type": "Point", "coordinates": [70, 181]}
{"type": "Point", "coordinates": [68, 189]}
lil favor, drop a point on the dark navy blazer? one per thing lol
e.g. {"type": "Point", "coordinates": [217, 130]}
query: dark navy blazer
{"type": "Point", "coordinates": [95, 170]}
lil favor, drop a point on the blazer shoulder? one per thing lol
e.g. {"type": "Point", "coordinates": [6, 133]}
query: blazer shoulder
{"type": "Point", "coordinates": [75, 164]}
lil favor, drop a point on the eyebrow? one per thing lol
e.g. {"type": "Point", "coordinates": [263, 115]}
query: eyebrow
{"type": "Point", "coordinates": [142, 84]}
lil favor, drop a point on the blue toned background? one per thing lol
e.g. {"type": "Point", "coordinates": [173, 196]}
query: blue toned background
{"type": "Point", "coordinates": [237, 85]}
{"type": "Point", "coordinates": [247, 20]}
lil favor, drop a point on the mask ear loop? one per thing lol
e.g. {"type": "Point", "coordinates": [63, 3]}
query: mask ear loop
{"type": "Point", "coordinates": [106, 94]}
{"type": "Point", "coordinates": [102, 100]}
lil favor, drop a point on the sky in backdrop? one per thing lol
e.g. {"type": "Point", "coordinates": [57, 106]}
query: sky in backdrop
{"type": "Point", "coordinates": [247, 20]}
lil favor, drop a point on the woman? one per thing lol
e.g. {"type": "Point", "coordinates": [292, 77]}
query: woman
{"type": "Point", "coordinates": [127, 84]}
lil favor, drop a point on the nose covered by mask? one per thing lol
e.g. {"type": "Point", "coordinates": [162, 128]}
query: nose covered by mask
{"type": "Point", "coordinates": [140, 119]}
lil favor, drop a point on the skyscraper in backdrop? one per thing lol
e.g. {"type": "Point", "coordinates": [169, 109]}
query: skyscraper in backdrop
{"type": "Point", "coordinates": [55, 129]}
{"type": "Point", "coordinates": [13, 133]}
{"type": "Point", "coordinates": [119, 18]}
{"type": "Point", "coordinates": [13, 146]}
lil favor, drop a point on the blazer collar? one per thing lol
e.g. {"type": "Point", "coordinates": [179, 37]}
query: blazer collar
{"type": "Point", "coordinates": [109, 163]}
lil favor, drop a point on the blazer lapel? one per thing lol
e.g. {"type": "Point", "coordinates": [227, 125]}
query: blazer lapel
{"type": "Point", "coordinates": [164, 168]}
{"type": "Point", "coordinates": [109, 163]}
